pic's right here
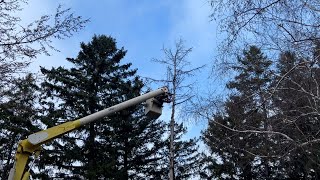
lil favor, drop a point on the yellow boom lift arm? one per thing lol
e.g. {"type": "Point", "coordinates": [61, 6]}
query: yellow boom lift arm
{"type": "Point", "coordinates": [32, 145]}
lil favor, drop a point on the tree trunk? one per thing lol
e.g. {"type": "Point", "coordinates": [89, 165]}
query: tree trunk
{"type": "Point", "coordinates": [91, 154]}
{"type": "Point", "coordinates": [172, 133]}
{"type": "Point", "coordinates": [265, 128]}
{"type": "Point", "coordinates": [125, 160]}
{"type": "Point", "coordinates": [171, 172]}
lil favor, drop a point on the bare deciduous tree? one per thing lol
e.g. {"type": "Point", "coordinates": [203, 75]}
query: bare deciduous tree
{"type": "Point", "coordinates": [176, 63]}
{"type": "Point", "coordinates": [277, 25]}
{"type": "Point", "coordinates": [20, 43]}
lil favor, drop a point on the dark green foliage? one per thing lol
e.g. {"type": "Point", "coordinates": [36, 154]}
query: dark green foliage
{"type": "Point", "coordinates": [296, 98]}
{"type": "Point", "coordinates": [254, 73]}
{"type": "Point", "coordinates": [187, 156]}
{"type": "Point", "coordinates": [137, 142]}
{"type": "Point", "coordinates": [18, 119]}
{"type": "Point", "coordinates": [269, 127]}
{"type": "Point", "coordinates": [245, 109]}
{"type": "Point", "coordinates": [124, 145]}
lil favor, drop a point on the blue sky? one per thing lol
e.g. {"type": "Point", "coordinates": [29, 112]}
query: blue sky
{"type": "Point", "coordinates": [141, 27]}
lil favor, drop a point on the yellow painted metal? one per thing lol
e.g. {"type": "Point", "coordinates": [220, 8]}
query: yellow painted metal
{"type": "Point", "coordinates": [61, 129]}
{"type": "Point", "coordinates": [21, 162]}
{"type": "Point", "coordinates": [26, 175]}
{"type": "Point", "coordinates": [26, 149]}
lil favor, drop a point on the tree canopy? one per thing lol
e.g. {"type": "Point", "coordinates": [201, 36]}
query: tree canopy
{"type": "Point", "coordinates": [276, 26]}
{"type": "Point", "coordinates": [124, 145]}
{"type": "Point", "coordinates": [267, 128]}
{"type": "Point", "coordinates": [19, 43]}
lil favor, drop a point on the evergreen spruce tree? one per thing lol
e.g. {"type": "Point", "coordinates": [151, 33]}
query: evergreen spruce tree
{"type": "Point", "coordinates": [135, 143]}
{"type": "Point", "coordinates": [240, 154]}
{"type": "Point", "coordinates": [18, 119]}
{"type": "Point", "coordinates": [299, 117]}
{"type": "Point", "coordinates": [187, 157]}
{"type": "Point", "coordinates": [122, 146]}
{"type": "Point", "coordinates": [269, 128]}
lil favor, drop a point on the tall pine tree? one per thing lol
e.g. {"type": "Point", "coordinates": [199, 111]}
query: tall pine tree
{"type": "Point", "coordinates": [243, 155]}
{"type": "Point", "coordinates": [296, 97]}
{"type": "Point", "coordinates": [269, 128]}
{"type": "Point", "coordinates": [121, 146]}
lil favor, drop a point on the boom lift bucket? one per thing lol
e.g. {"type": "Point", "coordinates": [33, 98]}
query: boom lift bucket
{"type": "Point", "coordinates": [153, 108]}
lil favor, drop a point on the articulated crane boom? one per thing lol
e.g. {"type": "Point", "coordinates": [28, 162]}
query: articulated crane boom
{"type": "Point", "coordinates": [32, 145]}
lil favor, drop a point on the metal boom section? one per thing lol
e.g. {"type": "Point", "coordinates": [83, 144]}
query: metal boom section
{"type": "Point", "coordinates": [32, 144]}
